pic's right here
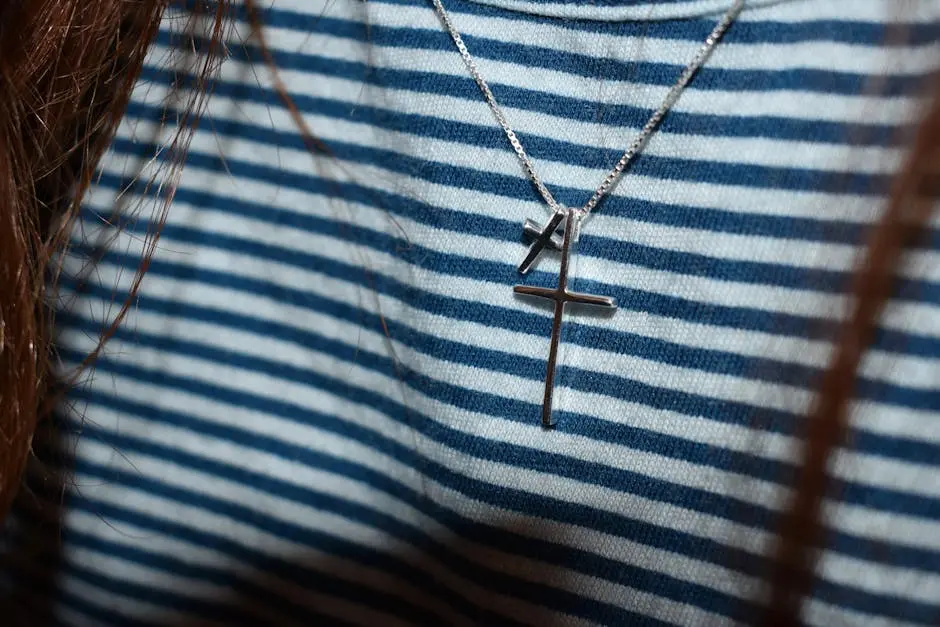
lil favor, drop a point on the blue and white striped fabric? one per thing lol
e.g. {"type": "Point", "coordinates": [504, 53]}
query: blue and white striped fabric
{"type": "Point", "coordinates": [324, 407]}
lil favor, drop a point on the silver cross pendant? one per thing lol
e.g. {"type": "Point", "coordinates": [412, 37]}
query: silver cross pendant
{"type": "Point", "coordinates": [547, 237]}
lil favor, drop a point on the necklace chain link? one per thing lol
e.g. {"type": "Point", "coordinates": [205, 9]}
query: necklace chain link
{"type": "Point", "coordinates": [635, 147]}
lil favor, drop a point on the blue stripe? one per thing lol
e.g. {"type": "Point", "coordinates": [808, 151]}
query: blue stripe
{"type": "Point", "coordinates": [524, 458]}
{"type": "Point", "coordinates": [264, 563]}
{"type": "Point", "coordinates": [474, 356]}
{"type": "Point", "coordinates": [615, 386]}
{"type": "Point", "coordinates": [116, 513]}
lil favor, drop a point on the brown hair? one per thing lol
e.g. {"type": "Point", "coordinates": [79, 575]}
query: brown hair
{"type": "Point", "coordinates": [801, 531]}
{"type": "Point", "coordinates": [67, 69]}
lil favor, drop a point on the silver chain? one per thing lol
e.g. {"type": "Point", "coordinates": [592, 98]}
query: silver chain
{"type": "Point", "coordinates": [611, 179]}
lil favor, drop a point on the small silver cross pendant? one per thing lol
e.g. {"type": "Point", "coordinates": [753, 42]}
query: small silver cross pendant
{"type": "Point", "coordinates": [547, 237]}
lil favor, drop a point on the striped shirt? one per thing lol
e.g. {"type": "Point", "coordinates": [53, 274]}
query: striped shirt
{"type": "Point", "coordinates": [324, 406]}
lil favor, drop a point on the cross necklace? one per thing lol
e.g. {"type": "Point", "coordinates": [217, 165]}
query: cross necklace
{"type": "Point", "coordinates": [568, 219]}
